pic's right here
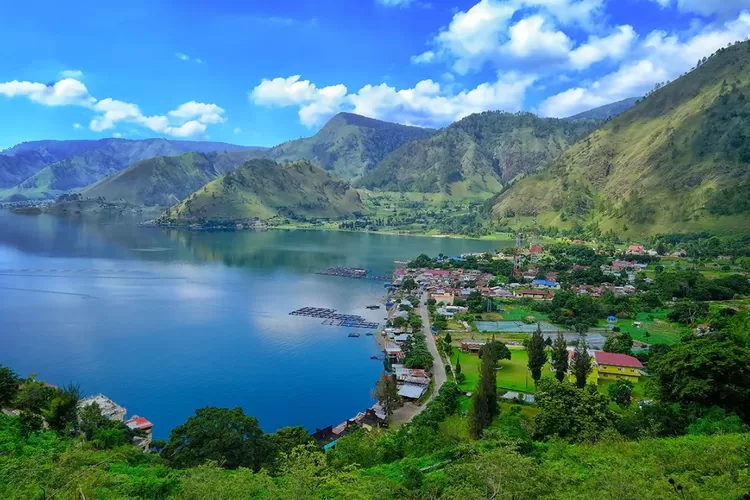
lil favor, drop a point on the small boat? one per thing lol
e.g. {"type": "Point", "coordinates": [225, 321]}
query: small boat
{"type": "Point", "coordinates": [373, 307]}
{"type": "Point", "coordinates": [354, 334]}
{"type": "Point", "coordinates": [374, 357]}
{"type": "Point", "coordinates": [369, 334]}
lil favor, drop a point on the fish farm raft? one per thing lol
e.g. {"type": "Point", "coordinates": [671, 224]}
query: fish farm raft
{"type": "Point", "coordinates": [332, 318]}
{"type": "Point", "coordinates": [351, 272]}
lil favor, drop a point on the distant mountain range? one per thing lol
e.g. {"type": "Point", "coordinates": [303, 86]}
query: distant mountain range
{"type": "Point", "coordinates": [263, 189]}
{"type": "Point", "coordinates": [349, 145]}
{"type": "Point", "coordinates": [677, 161]}
{"type": "Point", "coordinates": [477, 154]}
{"type": "Point", "coordinates": [45, 169]}
{"type": "Point", "coordinates": [607, 111]}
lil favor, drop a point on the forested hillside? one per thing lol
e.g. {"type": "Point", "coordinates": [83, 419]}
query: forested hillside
{"type": "Point", "coordinates": [677, 161]}
{"type": "Point", "coordinates": [264, 189]}
{"type": "Point", "coordinates": [349, 145]}
{"type": "Point", "coordinates": [476, 155]}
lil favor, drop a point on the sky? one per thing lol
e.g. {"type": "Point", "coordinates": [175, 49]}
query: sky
{"type": "Point", "coordinates": [260, 72]}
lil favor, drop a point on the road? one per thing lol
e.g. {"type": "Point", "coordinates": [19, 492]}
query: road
{"type": "Point", "coordinates": [411, 410]}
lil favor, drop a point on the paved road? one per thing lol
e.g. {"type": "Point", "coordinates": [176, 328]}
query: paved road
{"type": "Point", "coordinates": [411, 410]}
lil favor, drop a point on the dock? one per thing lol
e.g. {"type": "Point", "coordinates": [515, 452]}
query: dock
{"type": "Point", "coordinates": [351, 272]}
{"type": "Point", "coordinates": [332, 318]}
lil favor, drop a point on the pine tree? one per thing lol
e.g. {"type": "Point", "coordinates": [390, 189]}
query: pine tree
{"type": "Point", "coordinates": [484, 400]}
{"type": "Point", "coordinates": [581, 364]}
{"type": "Point", "coordinates": [458, 365]}
{"type": "Point", "coordinates": [537, 355]}
{"type": "Point", "coordinates": [386, 392]}
{"type": "Point", "coordinates": [560, 357]}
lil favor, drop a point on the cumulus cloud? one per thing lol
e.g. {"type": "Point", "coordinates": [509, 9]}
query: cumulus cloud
{"type": "Point", "coordinates": [614, 46]}
{"type": "Point", "coordinates": [426, 104]}
{"type": "Point", "coordinates": [660, 57]}
{"type": "Point", "coordinates": [117, 135]}
{"type": "Point", "coordinates": [181, 56]}
{"type": "Point", "coordinates": [66, 92]}
{"type": "Point", "coordinates": [707, 8]}
{"type": "Point", "coordinates": [237, 130]}
{"type": "Point", "coordinates": [187, 120]}
{"type": "Point", "coordinates": [517, 33]}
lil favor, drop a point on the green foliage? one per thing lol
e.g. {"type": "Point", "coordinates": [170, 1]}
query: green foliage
{"type": "Point", "coordinates": [571, 413]}
{"type": "Point", "coordinates": [228, 437]}
{"type": "Point", "coordinates": [537, 354]}
{"type": "Point", "coordinates": [621, 392]}
{"type": "Point", "coordinates": [716, 421]}
{"type": "Point", "coordinates": [689, 312]}
{"type": "Point", "coordinates": [62, 414]}
{"type": "Point", "coordinates": [386, 392]}
{"type": "Point", "coordinates": [484, 405]}
{"type": "Point", "coordinates": [560, 360]}
{"type": "Point", "coordinates": [621, 343]}
{"type": "Point", "coordinates": [495, 350]}
{"type": "Point", "coordinates": [581, 364]}
{"type": "Point", "coordinates": [416, 354]}
{"type": "Point", "coordinates": [706, 372]}
{"type": "Point", "coordinates": [8, 386]}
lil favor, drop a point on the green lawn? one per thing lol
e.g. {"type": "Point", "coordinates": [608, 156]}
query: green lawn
{"type": "Point", "coordinates": [511, 374]}
{"type": "Point", "coordinates": [660, 329]}
{"type": "Point", "coordinates": [517, 312]}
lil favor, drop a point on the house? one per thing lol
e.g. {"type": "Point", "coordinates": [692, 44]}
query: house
{"type": "Point", "coordinates": [611, 319]}
{"type": "Point", "coordinates": [534, 294]}
{"type": "Point", "coordinates": [412, 391]}
{"type": "Point", "coordinates": [109, 408]}
{"type": "Point", "coordinates": [141, 424]}
{"type": "Point", "coordinates": [635, 250]}
{"type": "Point", "coordinates": [615, 366]}
{"type": "Point", "coordinates": [442, 296]}
{"type": "Point", "coordinates": [547, 284]}
{"type": "Point", "coordinates": [471, 345]}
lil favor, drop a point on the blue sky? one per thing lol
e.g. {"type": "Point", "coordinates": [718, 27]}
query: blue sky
{"type": "Point", "coordinates": [262, 72]}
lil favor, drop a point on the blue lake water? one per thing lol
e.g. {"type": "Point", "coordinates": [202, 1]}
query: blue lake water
{"type": "Point", "coordinates": [164, 322]}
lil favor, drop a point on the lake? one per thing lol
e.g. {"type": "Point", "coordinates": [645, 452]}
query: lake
{"type": "Point", "coordinates": [165, 321]}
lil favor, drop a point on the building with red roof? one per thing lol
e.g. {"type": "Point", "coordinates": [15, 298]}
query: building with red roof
{"type": "Point", "coordinates": [615, 366]}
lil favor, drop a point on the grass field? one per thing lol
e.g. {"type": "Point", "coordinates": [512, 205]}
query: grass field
{"type": "Point", "coordinates": [518, 312]}
{"type": "Point", "coordinates": [511, 374]}
{"type": "Point", "coordinates": [660, 329]}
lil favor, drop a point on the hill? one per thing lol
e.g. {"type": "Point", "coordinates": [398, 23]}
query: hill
{"type": "Point", "coordinates": [166, 180]}
{"type": "Point", "coordinates": [607, 111]}
{"type": "Point", "coordinates": [677, 161]}
{"type": "Point", "coordinates": [70, 165]}
{"type": "Point", "coordinates": [476, 154]}
{"type": "Point", "coordinates": [264, 189]}
{"type": "Point", "coordinates": [349, 145]}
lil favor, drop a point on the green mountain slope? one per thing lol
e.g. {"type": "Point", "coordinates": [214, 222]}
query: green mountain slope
{"type": "Point", "coordinates": [606, 111]}
{"type": "Point", "coordinates": [677, 161]}
{"type": "Point", "coordinates": [349, 145]}
{"type": "Point", "coordinates": [264, 189]}
{"type": "Point", "coordinates": [166, 180]}
{"type": "Point", "coordinates": [17, 168]}
{"type": "Point", "coordinates": [74, 166]}
{"type": "Point", "coordinates": [476, 154]}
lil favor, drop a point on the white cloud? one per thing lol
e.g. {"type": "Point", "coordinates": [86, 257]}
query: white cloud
{"type": "Point", "coordinates": [117, 135]}
{"type": "Point", "coordinates": [63, 93]}
{"type": "Point", "coordinates": [316, 104]}
{"type": "Point", "coordinates": [204, 113]}
{"type": "Point", "coordinates": [614, 46]}
{"type": "Point", "coordinates": [423, 58]}
{"type": "Point", "coordinates": [660, 57]}
{"type": "Point", "coordinates": [199, 61]}
{"type": "Point", "coordinates": [237, 130]}
{"type": "Point", "coordinates": [707, 8]}
{"type": "Point", "coordinates": [397, 3]}
{"type": "Point", "coordinates": [181, 56]}
{"type": "Point", "coordinates": [72, 73]}
{"type": "Point", "coordinates": [528, 38]}
{"type": "Point", "coordinates": [189, 119]}
{"type": "Point", "coordinates": [427, 104]}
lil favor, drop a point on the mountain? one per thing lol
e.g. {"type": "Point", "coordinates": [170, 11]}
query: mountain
{"type": "Point", "coordinates": [263, 188]}
{"type": "Point", "coordinates": [607, 111]}
{"type": "Point", "coordinates": [166, 180]}
{"type": "Point", "coordinates": [477, 154]}
{"type": "Point", "coordinates": [677, 161]}
{"type": "Point", "coordinates": [70, 165]}
{"type": "Point", "coordinates": [349, 145]}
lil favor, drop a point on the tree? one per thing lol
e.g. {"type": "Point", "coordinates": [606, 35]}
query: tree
{"type": "Point", "coordinates": [571, 413]}
{"type": "Point", "coordinates": [706, 372]}
{"type": "Point", "coordinates": [688, 312]}
{"type": "Point", "coordinates": [484, 400]}
{"type": "Point", "coordinates": [458, 364]}
{"type": "Point", "coordinates": [91, 420]}
{"type": "Point", "coordinates": [537, 354]}
{"type": "Point", "coordinates": [386, 392]}
{"type": "Point", "coordinates": [560, 360]}
{"type": "Point", "coordinates": [621, 343]}
{"type": "Point", "coordinates": [409, 284]}
{"type": "Point", "coordinates": [62, 412]}
{"type": "Point", "coordinates": [621, 392]}
{"type": "Point", "coordinates": [8, 386]}
{"type": "Point", "coordinates": [498, 350]}
{"type": "Point", "coordinates": [581, 364]}
{"type": "Point", "coordinates": [33, 395]}
{"type": "Point", "coordinates": [226, 436]}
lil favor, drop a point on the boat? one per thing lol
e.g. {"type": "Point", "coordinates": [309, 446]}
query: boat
{"type": "Point", "coordinates": [369, 334]}
{"type": "Point", "coordinates": [354, 334]}
{"type": "Point", "coordinates": [373, 307]}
